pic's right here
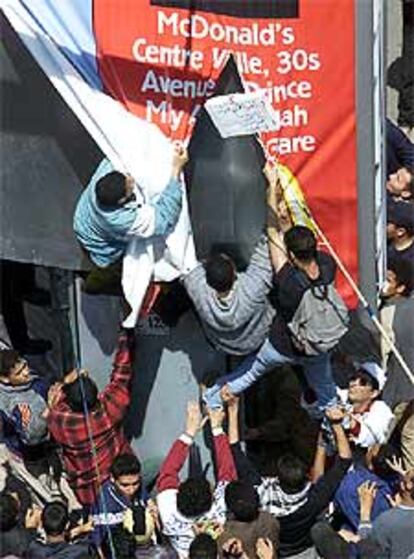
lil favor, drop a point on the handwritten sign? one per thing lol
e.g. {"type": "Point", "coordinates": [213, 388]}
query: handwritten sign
{"type": "Point", "coordinates": [242, 114]}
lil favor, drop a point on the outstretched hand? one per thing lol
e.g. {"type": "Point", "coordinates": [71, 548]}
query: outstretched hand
{"type": "Point", "coordinates": [33, 518]}
{"type": "Point", "coordinates": [396, 464]}
{"type": "Point", "coordinates": [82, 528]}
{"type": "Point", "coordinates": [271, 172]}
{"type": "Point", "coordinates": [367, 492]}
{"type": "Point", "coordinates": [264, 548]}
{"type": "Point", "coordinates": [54, 394]}
{"type": "Point", "coordinates": [394, 500]}
{"type": "Point", "coordinates": [180, 158]}
{"type": "Point", "coordinates": [233, 547]}
{"type": "Point", "coordinates": [335, 414]}
{"type": "Point", "coordinates": [216, 417]}
{"type": "Point", "coordinates": [194, 419]}
{"type": "Point", "coordinates": [233, 403]}
{"type": "Point", "coordinates": [226, 394]}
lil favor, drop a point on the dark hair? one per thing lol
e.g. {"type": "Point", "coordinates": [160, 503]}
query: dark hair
{"type": "Point", "coordinates": [110, 189]}
{"type": "Point", "coordinates": [203, 547]}
{"type": "Point", "coordinates": [125, 465]}
{"type": "Point", "coordinates": [124, 543]}
{"type": "Point", "coordinates": [360, 457]}
{"type": "Point", "coordinates": [242, 500]}
{"type": "Point", "coordinates": [401, 214]}
{"type": "Point", "coordinates": [411, 183]}
{"type": "Point", "coordinates": [412, 483]}
{"type": "Point", "coordinates": [194, 497]}
{"type": "Point", "coordinates": [8, 359]}
{"type": "Point", "coordinates": [404, 273]}
{"type": "Point", "coordinates": [220, 272]}
{"type": "Point", "coordinates": [268, 464]}
{"type": "Point", "coordinates": [73, 393]}
{"type": "Point", "coordinates": [292, 473]}
{"type": "Point", "coordinates": [365, 378]}
{"type": "Point", "coordinates": [9, 512]}
{"type": "Point", "coordinates": [55, 518]}
{"type": "Point", "coordinates": [301, 242]}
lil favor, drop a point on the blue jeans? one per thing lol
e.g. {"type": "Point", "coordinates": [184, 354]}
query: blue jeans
{"type": "Point", "coordinates": [317, 369]}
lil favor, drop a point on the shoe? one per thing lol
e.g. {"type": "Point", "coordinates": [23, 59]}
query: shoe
{"type": "Point", "coordinates": [38, 296]}
{"type": "Point", "coordinates": [309, 402]}
{"type": "Point", "coordinates": [34, 347]}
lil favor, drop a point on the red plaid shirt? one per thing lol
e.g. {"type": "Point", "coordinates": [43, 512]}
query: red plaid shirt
{"type": "Point", "coordinates": [69, 428]}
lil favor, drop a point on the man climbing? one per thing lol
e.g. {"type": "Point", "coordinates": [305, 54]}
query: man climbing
{"type": "Point", "coordinates": [310, 320]}
{"type": "Point", "coordinates": [111, 211]}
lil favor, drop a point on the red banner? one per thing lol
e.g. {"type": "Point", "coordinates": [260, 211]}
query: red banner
{"type": "Point", "coordinates": [161, 59]}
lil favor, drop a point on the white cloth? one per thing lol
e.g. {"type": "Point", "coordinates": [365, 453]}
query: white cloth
{"type": "Point", "coordinates": [274, 500]}
{"type": "Point", "coordinates": [132, 144]}
{"type": "Point", "coordinates": [376, 423]}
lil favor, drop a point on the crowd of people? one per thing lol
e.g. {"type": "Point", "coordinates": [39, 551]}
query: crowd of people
{"type": "Point", "coordinates": [311, 434]}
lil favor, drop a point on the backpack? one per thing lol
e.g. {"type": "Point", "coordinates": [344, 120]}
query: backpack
{"type": "Point", "coordinates": [320, 320]}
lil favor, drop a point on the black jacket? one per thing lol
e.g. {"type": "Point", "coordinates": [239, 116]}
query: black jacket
{"type": "Point", "coordinates": [16, 541]}
{"type": "Point", "coordinates": [400, 150]}
{"type": "Point", "coordinates": [61, 550]}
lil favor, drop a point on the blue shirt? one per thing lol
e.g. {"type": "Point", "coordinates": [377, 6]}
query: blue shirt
{"type": "Point", "coordinates": [347, 499]}
{"type": "Point", "coordinates": [105, 233]}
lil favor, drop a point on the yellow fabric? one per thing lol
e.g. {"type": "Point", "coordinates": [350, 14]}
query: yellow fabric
{"type": "Point", "coordinates": [294, 197]}
{"type": "Point", "coordinates": [149, 527]}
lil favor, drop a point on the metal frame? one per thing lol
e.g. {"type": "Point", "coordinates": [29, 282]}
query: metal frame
{"type": "Point", "coordinates": [370, 103]}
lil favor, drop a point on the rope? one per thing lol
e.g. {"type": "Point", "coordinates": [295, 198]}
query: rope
{"type": "Point", "coordinates": [359, 294]}
{"type": "Point", "coordinates": [98, 483]}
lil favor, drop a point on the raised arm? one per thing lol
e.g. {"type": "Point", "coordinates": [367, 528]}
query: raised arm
{"type": "Point", "coordinates": [245, 468]}
{"type": "Point", "coordinates": [169, 473]}
{"type": "Point", "coordinates": [117, 395]}
{"type": "Point", "coordinates": [168, 205]}
{"type": "Point", "coordinates": [326, 486]}
{"type": "Point", "coordinates": [259, 274]}
{"type": "Point", "coordinates": [233, 420]}
{"type": "Point", "coordinates": [226, 469]}
{"type": "Point", "coordinates": [160, 216]}
{"type": "Point", "coordinates": [336, 416]}
{"type": "Point", "coordinates": [366, 493]}
{"type": "Point", "coordinates": [319, 461]}
{"type": "Point", "coordinates": [277, 247]}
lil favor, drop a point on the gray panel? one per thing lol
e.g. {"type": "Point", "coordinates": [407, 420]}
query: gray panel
{"type": "Point", "coordinates": [366, 150]}
{"type": "Point", "coordinates": [46, 158]}
{"type": "Point", "coordinates": [167, 371]}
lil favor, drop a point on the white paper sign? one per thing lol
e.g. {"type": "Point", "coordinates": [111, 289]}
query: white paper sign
{"type": "Point", "coordinates": [241, 114]}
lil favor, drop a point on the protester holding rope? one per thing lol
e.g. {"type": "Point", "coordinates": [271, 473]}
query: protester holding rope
{"type": "Point", "coordinates": [311, 317]}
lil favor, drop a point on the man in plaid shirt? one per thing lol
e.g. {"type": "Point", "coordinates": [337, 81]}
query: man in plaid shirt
{"type": "Point", "coordinates": [67, 422]}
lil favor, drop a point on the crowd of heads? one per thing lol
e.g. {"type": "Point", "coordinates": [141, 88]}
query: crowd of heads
{"type": "Point", "coordinates": [284, 482]}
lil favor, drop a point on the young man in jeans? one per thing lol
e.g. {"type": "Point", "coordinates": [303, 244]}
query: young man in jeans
{"type": "Point", "coordinates": [297, 265]}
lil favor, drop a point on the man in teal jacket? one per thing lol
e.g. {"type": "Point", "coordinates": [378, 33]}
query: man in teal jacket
{"type": "Point", "coordinates": [109, 212]}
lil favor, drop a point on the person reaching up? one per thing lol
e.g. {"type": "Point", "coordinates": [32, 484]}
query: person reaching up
{"type": "Point", "coordinates": [111, 211]}
{"type": "Point", "coordinates": [184, 506]}
{"type": "Point", "coordinates": [310, 318]}
{"type": "Point", "coordinates": [66, 419]}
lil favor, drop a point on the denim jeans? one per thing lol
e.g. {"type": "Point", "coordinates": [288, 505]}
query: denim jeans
{"type": "Point", "coordinates": [317, 370]}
